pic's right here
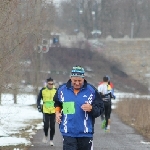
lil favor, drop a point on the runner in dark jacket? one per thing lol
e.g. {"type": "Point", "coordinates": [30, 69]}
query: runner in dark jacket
{"type": "Point", "coordinates": [107, 94]}
{"type": "Point", "coordinates": [77, 105]}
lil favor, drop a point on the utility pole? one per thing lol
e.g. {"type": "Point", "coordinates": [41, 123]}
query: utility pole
{"type": "Point", "coordinates": [38, 10]}
{"type": "Point", "coordinates": [132, 30]}
{"type": "Point", "coordinates": [94, 15]}
{"type": "Point", "coordinates": [80, 11]}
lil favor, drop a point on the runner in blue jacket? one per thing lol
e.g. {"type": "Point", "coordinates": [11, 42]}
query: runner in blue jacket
{"type": "Point", "coordinates": [77, 104]}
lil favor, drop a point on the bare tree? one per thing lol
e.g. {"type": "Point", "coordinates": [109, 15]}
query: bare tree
{"type": "Point", "coordinates": [112, 17]}
{"type": "Point", "coordinates": [21, 28]}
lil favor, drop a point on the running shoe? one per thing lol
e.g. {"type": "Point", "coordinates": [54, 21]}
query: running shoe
{"type": "Point", "coordinates": [45, 139]}
{"type": "Point", "coordinates": [103, 124]}
{"type": "Point", "coordinates": [107, 130]}
{"type": "Point", "coordinates": [51, 143]}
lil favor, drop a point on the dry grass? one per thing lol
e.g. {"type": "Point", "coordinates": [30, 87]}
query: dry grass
{"type": "Point", "coordinates": [135, 113]}
{"type": "Point", "coordinates": [20, 147]}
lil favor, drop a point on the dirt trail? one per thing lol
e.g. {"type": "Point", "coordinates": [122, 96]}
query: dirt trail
{"type": "Point", "coordinates": [121, 137]}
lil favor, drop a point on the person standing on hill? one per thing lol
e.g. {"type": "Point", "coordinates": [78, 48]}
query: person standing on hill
{"type": "Point", "coordinates": [77, 104]}
{"type": "Point", "coordinates": [106, 93]}
{"type": "Point", "coordinates": [46, 94]}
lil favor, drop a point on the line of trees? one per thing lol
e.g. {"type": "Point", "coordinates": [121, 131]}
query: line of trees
{"type": "Point", "coordinates": [112, 17]}
{"type": "Point", "coordinates": [21, 27]}
{"type": "Point", "coordinates": [24, 24]}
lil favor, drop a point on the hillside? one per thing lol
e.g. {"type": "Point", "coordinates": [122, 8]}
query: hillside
{"type": "Point", "coordinates": [62, 60]}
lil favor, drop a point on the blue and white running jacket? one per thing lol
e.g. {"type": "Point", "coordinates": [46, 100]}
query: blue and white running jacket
{"type": "Point", "coordinates": [74, 121]}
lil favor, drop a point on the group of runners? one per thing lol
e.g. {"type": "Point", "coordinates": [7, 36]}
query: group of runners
{"type": "Point", "coordinates": [74, 106]}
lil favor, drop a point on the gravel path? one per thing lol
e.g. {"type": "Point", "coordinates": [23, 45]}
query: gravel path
{"type": "Point", "coordinates": [121, 137]}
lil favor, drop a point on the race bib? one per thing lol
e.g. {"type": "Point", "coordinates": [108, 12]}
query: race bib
{"type": "Point", "coordinates": [68, 108]}
{"type": "Point", "coordinates": [49, 104]}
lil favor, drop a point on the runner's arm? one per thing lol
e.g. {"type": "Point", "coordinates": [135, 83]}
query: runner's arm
{"type": "Point", "coordinates": [39, 98]}
{"type": "Point", "coordinates": [97, 105]}
{"type": "Point", "coordinates": [57, 103]}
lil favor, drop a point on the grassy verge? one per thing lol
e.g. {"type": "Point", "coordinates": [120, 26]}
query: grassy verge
{"type": "Point", "coordinates": [18, 147]}
{"type": "Point", "coordinates": [23, 134]}
{"type": "Point", "coordinates": [135, 113]}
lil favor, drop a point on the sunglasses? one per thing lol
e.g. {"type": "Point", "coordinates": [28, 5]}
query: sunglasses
{"type": "Point", "coordinates": [50, 83]}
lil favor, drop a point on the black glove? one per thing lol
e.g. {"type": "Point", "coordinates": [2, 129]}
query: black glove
{"type": "Point", "coordinates": [39, 109]}
{"type": "Point", "coordinates": [114, 97]}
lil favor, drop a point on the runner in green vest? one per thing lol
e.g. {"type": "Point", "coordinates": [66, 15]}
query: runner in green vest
{"type": "Point", "coordinates": [46, 94]}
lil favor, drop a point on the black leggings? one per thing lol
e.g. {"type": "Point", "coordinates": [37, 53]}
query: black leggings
{"type": "Point", "coordinates": [107, 106]}
{"type": "Point", "coordinates": [49, 121]}
{"type": "Point", "coordinates": [77, 143]}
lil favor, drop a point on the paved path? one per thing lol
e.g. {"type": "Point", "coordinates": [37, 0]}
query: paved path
{"type": "Point", "coordinates": [121, 137]}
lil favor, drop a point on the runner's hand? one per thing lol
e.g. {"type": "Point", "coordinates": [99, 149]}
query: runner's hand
{"type": "Point", "coordinates": [39, 109]}
{"type": "Point", "coordinates": [114, 97]}
{"type": "Point", "coordinates": [58, 117]}
{"type": "Point", "coordinates": [86, 107]}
